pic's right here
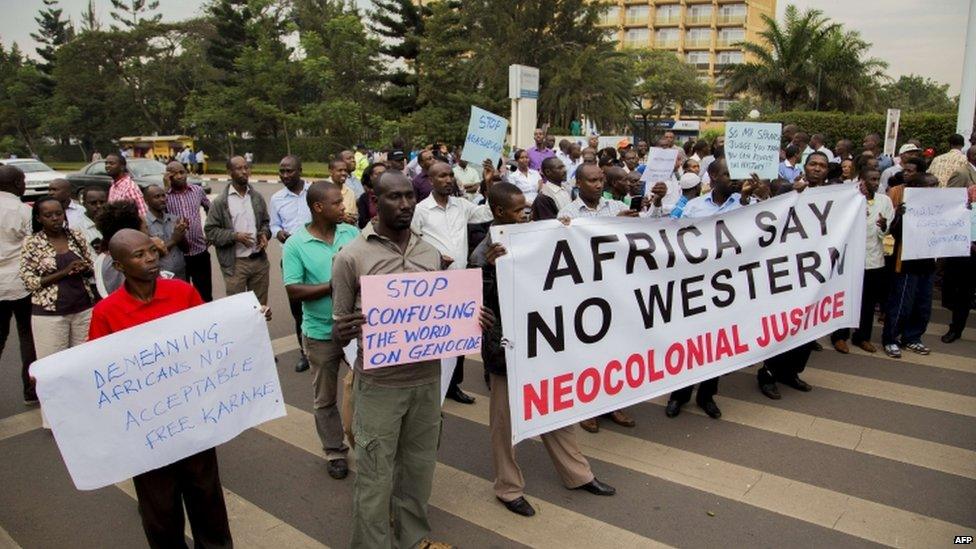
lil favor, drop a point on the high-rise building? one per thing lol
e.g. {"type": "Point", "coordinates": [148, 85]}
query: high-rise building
{"type": "Point", "coordinates": [701, 32]}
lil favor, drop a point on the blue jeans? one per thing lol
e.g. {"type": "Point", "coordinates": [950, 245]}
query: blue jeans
{"type": "Point", "coordinates": [909, 308]}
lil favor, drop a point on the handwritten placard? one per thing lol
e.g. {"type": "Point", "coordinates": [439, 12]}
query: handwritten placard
{"type": "Point", "coordinates": [936, 223]}
{"type": "Point", "coordinates": [145, 397]}
{"type": "Point", "coordinates": [752, 147]}
{"type": "Point", "coordinates": [486, 137]}
{"type": "Point", "coordinates": [420, 316]}
{"type": "Point", "coordinates": [660, 164]}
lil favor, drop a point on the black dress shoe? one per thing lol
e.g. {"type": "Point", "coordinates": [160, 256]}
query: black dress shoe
{"type": "Point", "coordinates": [770, 390]}
{"type": "Point", "coordinates": [597, 488]}
{"type": "Point", "coordinates": [458, 395]}
{"type": "Point", "coordinates": [710, 408]}
{"type": "Point", "coordinates": [950, 336]}
{"type": "Point", "coordinates": [302, 364]}
{"type": "Point", "coordinates": [519, 506]}
{"type": "Point", "coordinates": [673, 408]}
{"type": "Point", "coordinates": [338, 468]}
{"type": "Point", "coordinates": [798, 384]}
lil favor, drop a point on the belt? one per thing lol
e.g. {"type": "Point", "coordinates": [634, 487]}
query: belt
{"type": "Point", "coordinates": [256, 255]}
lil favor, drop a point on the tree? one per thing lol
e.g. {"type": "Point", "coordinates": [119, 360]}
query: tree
{"type": "Point", "coordinates": [915, 93]}
{"type": "Point", "coordinates": [20, 98]}
{"type": "Point", "coordinates": [807, 62]}
{"type": "Point", "coordinates": [129, 13]}
{"type": "Point", "coordinates": [551, 36]}
{"type": "Point", "coordinates": [574, 88]}
{"type": "Point", "coordinates": [232, 20]}
{"type": "Point", "coordinates": [400, 23]}
{"type": "Point", "coordinates": [53, 32]}
{"type": "Point", "coordinates": [89, 20]}
{"type": "Point", "coordinates": [665, 84]}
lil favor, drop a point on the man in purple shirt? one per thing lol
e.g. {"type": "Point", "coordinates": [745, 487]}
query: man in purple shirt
{"type": "Point", "coordinates": [539, 152]}
{"type": "Point", "coordinates": [421, 182]}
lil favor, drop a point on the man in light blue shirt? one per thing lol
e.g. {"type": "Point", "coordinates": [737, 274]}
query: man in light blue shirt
{"type": "Point", "coordinates": [352, 181]}
{"type": "Point", "coordinates": [789, 168]}
{"type": "Point", "coordinates": [724, 197]}
{"type": "Point", "coordinates": [289, 213]}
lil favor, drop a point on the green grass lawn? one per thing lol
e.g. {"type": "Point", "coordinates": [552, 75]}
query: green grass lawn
{"type": "Point", "coordinates": [309, 169]}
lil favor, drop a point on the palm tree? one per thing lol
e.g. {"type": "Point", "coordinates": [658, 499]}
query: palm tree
{"type": "Point", "coordinates": [575, 88]}
{"type": "Point", "coordinates": [807, 60]}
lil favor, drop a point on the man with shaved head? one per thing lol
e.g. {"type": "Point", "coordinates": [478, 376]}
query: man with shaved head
{"type": "Point", "coordinates": [15, 301]}
{"type": "Point", "coordinates": [442, 220]}
{"type": "Point", "coordinates": [60, 189]}
{"type": "Point", "coordinates": [185, 200]}
{"type": "Point", "coordinates": [239, 227]}
{"type": "Point", "coordinates": [352, 180]}
{"type": "Point", "coordinates": [307, 272]}
{"type": "Point", "coordinates": [397, 418]}
{"type": "Point", "coordinates": [194, 481]}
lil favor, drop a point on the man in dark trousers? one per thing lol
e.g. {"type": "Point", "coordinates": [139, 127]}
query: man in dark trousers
{"type": "Point", "coordinates": [194, 481]}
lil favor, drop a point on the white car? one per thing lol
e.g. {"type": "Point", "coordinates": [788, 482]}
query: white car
{"type": "Point", "coordinates": [38, 175]}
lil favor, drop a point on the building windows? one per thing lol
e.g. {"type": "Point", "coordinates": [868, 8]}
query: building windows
{"type": "Point", "coordinates": [732, 14]}
{"type": "Point", "coordinates": [698, 59]}
{"type": "Point", "coordinates": [699, 15]}
{"type": "Point", "coordinates": [727, 58]}
{"type": "Point", "coordinates": [638, 15]}
{"type": "Point", "coordinates": [667, 15]}
{"type": "Point", "coordinates": [722, 105]}
{"type": "Point", "coordinates": [610, 16]}
{"type": "Point", "coordinates": [666, 38]}
{"type": "Point", "coordinates": [729, 37]}
{"type": "Point", "coordinates": [698, 38]}
{"type": "Point", "coordinates": [637, 38]}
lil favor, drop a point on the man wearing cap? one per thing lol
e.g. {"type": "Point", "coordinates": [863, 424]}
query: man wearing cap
{"type": "Point", "coordinates": [690, 185]}
{"type": "Point", "coordinates": [539, 152]}
{"type": "Point", "coordinates": [908, 150]}
{"type": "Point", "coordinates": [396, 160]}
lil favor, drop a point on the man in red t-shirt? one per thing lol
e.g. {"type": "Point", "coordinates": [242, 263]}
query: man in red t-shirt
{"type": "Point", "coordinates": [192, 481]}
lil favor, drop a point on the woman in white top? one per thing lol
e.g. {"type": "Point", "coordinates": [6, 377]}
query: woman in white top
{"type": "Point", "coordinates": [526, 179]}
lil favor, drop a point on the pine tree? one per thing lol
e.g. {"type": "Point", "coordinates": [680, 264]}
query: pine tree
{"type": "Point", "coordinates": [401, 24]}
{"type": "Point", "coordinates": [52, 34]}
{"type": "Point", "coordinates": [230, 19]}
{"type": "Point", "coordinates": [89, 20]}
{"type": "Point", "coordinates": [129, 13]}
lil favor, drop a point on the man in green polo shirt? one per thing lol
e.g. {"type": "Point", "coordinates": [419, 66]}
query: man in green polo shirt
{"type": "Point", "coordinates": [307, 264]}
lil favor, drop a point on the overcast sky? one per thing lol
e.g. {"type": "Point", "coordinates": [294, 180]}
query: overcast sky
{"type": "Point", "coordinates": [923, 37]}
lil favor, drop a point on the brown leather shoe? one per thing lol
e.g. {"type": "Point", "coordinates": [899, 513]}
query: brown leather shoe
{"type": "Point", "coordinates": [621, 419]}
{"type": "Point", "coordinates": [842, 347]}
{"type": "Point", "coordinates": [590, 425]}
{"type": "Point", "coordinates": [867, 346]}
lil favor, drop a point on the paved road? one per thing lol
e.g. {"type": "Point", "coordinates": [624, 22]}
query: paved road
{"type": "Point", "coordinates": [881, 452]}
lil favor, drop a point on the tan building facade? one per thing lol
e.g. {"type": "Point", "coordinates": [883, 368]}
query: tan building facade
{"type": "Point", "coordinates": [703, 33]}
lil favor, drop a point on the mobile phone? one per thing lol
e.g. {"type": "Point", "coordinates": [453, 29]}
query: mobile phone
{"type": "Point", "coordinates": [636, 203]}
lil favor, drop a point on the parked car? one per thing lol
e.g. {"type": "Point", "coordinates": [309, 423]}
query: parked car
{"type": "Point", "coordinates": [144, 172]}
{"type": "Point", "coordinates": [38, 175]}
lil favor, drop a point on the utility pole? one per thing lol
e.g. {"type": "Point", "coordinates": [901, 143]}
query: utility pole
{"type": "Point", "coordinates": [967, 89]}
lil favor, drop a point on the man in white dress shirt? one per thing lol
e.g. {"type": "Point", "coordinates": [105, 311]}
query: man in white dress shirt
{"type": "Point", "coordinates": [442, 220]}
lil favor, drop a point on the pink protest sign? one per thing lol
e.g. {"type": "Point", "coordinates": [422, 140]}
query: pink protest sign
{"type": "Point", "coordinates": [420, 316]}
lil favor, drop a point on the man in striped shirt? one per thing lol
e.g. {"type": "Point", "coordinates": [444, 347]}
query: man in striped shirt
{"type": "Point", "coordinates": [123, 187]}
{"type": "Point", "coordinates": [185, 200]}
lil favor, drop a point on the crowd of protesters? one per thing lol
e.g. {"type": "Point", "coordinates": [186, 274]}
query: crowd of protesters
{"type": "Point", "coordinates": [78, 271]}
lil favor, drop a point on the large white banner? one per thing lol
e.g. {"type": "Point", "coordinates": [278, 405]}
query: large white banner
{"type": "Point", "coordinates": [148, 396]}
{"type": "Point", "coordinates": [609, 312]}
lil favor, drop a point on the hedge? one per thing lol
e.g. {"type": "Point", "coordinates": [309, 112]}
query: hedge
{"type": "Point", "coordinates": [931, 129]}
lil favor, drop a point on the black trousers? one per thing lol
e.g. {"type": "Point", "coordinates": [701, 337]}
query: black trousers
{"type": "Point", "coordinates": [458, 376]}
{"type": "Point", "coordinates": [706, 392]}
{"type": "Point", "coordinates": [296, 313]}
{"type": "Point", "coordinates": [194, 482]}
{"type": "Point", "coordinates": [958, 286]}
{"type": "Point", "coordinates": [198, 273]}
{"type": "Point", "coordinates": [785, 366]}
{"type": "Point", "coordinates": [20, 310]}
{"type": "Point", "coordinates": [874, 291]}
